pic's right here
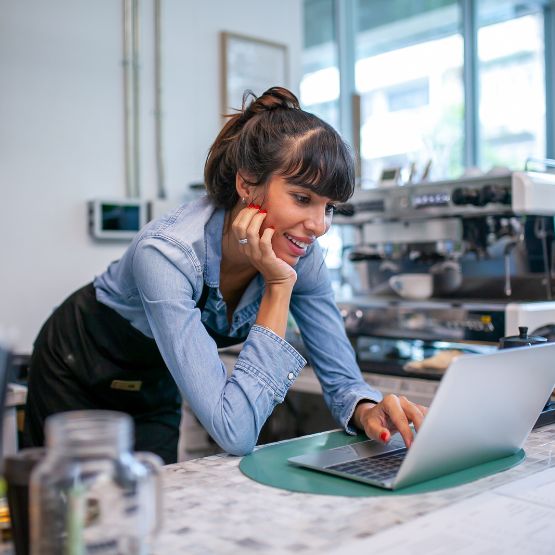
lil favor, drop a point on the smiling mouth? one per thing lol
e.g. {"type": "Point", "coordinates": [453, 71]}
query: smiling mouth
{"type": "Point", "coordinates": [296, 242]}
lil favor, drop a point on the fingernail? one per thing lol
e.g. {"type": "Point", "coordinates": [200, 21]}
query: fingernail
{"type": "Point", "coordinates": [263, 211]}
{"type": "Point", "coordinates": [383, 436]}
{"type": "Point", "coordinates": [272, 227]}
{"type": "Point", "coordinates": [257, 206]}
{"type": "Point", "coordinates": [251, 205]}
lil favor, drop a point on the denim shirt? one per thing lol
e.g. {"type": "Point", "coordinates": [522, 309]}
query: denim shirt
{"type": "Point", "coordinates": [156, 286]}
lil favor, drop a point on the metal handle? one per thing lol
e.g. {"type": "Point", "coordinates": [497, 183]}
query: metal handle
{"type": "Point", "coordinates": [507, 256]}
{"type": "Point", "coordinates": [356, 112]}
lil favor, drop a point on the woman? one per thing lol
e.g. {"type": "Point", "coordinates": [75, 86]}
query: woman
{"type": "Point", "coordinates": [222, 270]}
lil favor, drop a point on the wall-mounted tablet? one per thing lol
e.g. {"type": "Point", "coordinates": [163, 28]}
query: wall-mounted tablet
{"type": "Point", "coordinates": [116, 219]}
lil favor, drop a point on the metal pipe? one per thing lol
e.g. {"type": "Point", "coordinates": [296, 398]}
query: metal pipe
{"type": "Point", "coordinates": [135, 39]}
{"type": "Point", "coordinates": [127, 98]}
{"type": "Point", "coordinates": [357, 106]}
{"type": "Point", "coordinates": [158, 130]}
{"type": "Point", "coordinates": [507, 258]}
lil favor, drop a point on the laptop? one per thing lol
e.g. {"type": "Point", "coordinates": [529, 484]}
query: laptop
{"type": "Point", "coordinates": [484, 409]}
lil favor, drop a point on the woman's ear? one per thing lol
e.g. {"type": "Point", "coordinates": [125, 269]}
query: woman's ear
{"type": "Point", "coordinates": [242, 187]}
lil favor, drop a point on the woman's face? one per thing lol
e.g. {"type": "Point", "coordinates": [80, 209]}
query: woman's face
{"type": "Point", "coordinates": [298, 215]}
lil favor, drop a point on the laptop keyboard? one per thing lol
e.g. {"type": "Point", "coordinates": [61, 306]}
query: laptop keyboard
{"type": "Point", "coordinates": [378, 467]}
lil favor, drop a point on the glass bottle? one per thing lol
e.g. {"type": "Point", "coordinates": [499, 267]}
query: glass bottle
{"type": "Point", "coordinates": [91, 494]}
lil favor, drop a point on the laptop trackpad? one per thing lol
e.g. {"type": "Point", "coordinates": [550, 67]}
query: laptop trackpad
{"type": "Point", "coordinates": [352, 452]}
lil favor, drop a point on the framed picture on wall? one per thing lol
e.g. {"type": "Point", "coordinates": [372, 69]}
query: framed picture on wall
{"type": "Point", "coordinates": [250, 63]}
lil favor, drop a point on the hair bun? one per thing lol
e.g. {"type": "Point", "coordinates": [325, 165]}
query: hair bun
{"type": "Point", "coordinates": [273, 99]}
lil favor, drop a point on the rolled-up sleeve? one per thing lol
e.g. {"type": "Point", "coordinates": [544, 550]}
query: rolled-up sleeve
{"type": "Point", "coordinates": [232, 409]}
{"type": "Point", "coordinates": [330, 352]}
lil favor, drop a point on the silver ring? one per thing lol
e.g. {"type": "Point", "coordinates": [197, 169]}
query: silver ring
{"type": "Point", "coordinates": [243, 241]}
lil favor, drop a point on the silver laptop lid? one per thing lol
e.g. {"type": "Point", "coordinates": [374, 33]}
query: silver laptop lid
{"type": "Point", "coordinates": [484, 408]}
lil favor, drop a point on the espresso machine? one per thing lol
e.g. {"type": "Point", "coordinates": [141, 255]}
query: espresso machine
{"type": "Point", "coordinates": [488, 244]}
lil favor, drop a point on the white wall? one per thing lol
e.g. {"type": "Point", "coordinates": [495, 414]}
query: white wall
{"type": "Point", "coordinates": [61, 127]}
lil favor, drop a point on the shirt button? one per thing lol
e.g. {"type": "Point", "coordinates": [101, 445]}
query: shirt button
{"type": "Point", "coordinates": [290, 376]}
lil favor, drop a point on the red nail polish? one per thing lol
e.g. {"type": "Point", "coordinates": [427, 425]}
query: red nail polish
{"type": "Point", "coordinates": [251, 205]}
{"type": "Point", "coordinates": [383, 436]}
{"type": "Point", "coordinates": [263, 211]}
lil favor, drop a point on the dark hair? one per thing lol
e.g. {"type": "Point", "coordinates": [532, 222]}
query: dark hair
{"type": "Point", "coordinates": [271, 135]}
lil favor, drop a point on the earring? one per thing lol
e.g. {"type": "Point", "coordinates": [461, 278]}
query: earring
{"type": "Point", "coordinates": [244, 200]}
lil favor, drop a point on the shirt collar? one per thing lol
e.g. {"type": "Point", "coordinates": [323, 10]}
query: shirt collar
{"type": "Point", "coordinates": [214, 229]}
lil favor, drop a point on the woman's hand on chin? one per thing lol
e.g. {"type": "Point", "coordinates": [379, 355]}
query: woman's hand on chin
{"type": "Point", "coordinates": [258, 247]}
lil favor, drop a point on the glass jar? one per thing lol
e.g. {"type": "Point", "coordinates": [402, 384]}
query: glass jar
{"type": "Point", "coordinates": [91, 494]}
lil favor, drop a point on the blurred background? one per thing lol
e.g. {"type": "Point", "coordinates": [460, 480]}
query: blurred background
{"type": "Point", "coordinates": [121, 100]}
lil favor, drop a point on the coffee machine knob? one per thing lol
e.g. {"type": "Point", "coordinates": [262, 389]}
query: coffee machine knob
{"type": "Point", "coordinates": [494, 193]}
{"type": "Point", "coordinates": [462, 196]}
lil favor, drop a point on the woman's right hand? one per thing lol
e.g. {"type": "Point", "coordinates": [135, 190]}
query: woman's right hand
{"type": "Point", "coordinates": [247, 225]}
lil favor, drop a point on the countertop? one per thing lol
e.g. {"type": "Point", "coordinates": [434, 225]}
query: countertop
{"type": "Point", "coordinates": [212, 508]}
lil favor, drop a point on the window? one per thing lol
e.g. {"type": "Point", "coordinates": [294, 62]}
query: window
{"type": "Point", "coordinates": [511, 83]}
{"type": "Point", "coordinates": [411, 78]}
{"type": "Point", "coordinates": [409, 75]}
{"type": "Point", "coordinates": [408, 96]}
{"type": "Point", "coordinates": [320, 81]}
{"type": "Point", "coordinates": [320, 95]}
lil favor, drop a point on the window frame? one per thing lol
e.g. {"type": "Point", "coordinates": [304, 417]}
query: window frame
{"type": "Point", "coordinates": [349, 110]}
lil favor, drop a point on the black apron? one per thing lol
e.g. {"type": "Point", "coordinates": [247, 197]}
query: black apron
{"type": "Point", "coordinates": [87, 356]}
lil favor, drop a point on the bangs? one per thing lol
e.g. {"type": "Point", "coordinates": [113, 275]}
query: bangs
{"type": "Point", "coordinates": [320, 161]}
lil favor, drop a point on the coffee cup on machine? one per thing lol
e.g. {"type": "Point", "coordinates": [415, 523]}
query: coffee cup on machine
{"type": "Point", "coordinates": [412, 286]}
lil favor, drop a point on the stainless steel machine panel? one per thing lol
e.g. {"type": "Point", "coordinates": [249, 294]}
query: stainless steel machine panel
{"type": "Point", "coordinates": [516, 192]}
{"type": "Point", "coordinates": [488, 243]}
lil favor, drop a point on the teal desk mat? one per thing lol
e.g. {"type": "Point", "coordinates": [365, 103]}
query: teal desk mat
{"type": "Point", "coordinates": [268, 465]}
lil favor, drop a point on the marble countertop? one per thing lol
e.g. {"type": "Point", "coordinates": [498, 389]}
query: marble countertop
{"type": "Point", "coordinates": [212, 508]}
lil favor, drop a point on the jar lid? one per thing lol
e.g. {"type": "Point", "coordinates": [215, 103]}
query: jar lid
{"type": "Point", "coordinates": [521, 340]}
